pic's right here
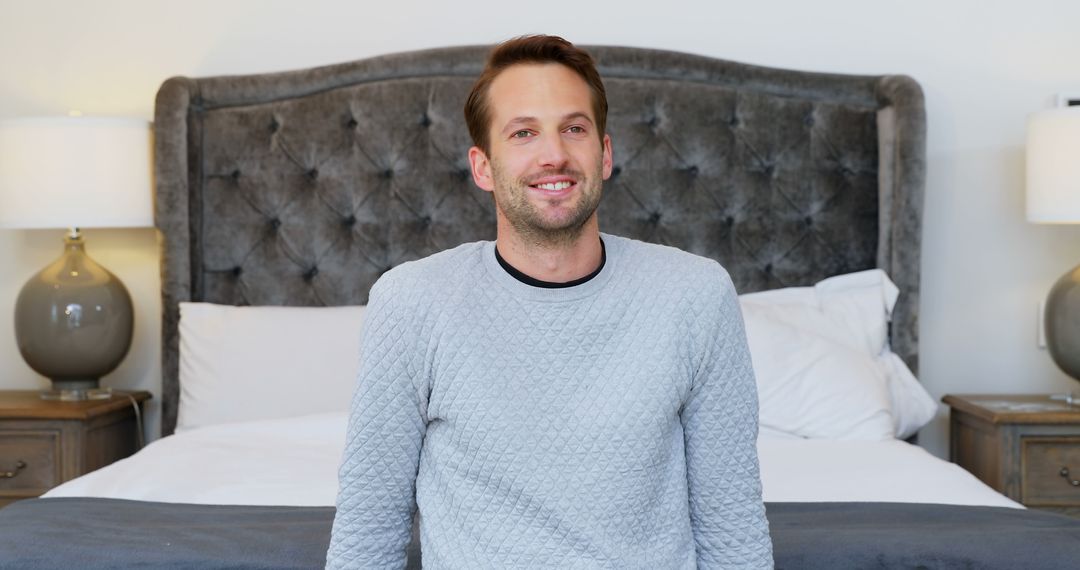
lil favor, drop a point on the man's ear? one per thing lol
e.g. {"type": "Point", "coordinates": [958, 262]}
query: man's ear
{"type": "Point", "coordinates": [608, 161]}
{"type": "Point", "coordinates": [481, 169]}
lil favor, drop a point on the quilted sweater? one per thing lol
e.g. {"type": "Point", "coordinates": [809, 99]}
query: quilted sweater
{"type": "Point", "coordinates": [611, 424]}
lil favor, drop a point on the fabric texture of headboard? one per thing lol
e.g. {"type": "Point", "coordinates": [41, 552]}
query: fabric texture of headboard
{"type": "Point", "coordinates": [303, 187]}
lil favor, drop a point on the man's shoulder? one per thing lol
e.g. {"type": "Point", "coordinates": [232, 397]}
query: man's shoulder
{"type": "Point", "coordinates": [666, 262]}
{"type": "Point", "coordinates": [434, 272]}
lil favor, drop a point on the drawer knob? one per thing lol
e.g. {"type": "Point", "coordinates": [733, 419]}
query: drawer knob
{"type": "Point", "coordinates": [1065, 473]}
{"type": "Point", "coordinates": [19, 466]}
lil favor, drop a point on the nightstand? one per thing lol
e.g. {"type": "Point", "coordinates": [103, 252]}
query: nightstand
{"type": "Point", "coordinates": [45, 443]}
{"type": "Point", "coordinates": [1026, 447]}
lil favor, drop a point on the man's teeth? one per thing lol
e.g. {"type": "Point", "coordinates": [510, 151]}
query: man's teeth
{"type": "Point", "coordinates": [554, 185]}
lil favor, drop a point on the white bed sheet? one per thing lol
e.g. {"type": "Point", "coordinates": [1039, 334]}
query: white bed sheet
{"type": "Point", "coordinates": [805, 470]}
{"type": "Point", "coordinates": [290, 461]}
{"type": "Point", "coordinates": [294, 462]}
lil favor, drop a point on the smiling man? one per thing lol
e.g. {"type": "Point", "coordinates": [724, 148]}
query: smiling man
{"type": "Point", "coordinates": [558, 398]}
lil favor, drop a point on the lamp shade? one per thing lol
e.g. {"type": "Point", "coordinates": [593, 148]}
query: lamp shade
{"type": "Point", "coordinates": [75, 172]}
{"type": "Point", "coordinates": [1053, 166]}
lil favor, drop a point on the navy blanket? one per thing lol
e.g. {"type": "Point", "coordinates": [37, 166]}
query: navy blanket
{"type": "Point", "coordinates": [110, 533]}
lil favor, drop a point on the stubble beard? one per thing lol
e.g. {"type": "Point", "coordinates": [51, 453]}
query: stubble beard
{"type": "Point", "coordinates": [511, 196]}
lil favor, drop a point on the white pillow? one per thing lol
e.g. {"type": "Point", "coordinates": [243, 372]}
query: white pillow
{"type": "Point", "coordinates": [852, 310]}
{"type": "Point", "coordinates": [857, 306]}
{"type": "Point", "coordinates": [811, 386]}
{"type": "Point", "coordinates": [912, 406]}
{"type": "Point", "coordinates": [256, 363]}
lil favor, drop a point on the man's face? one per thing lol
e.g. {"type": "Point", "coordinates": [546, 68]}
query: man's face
{"type": "Point", "coordinates": [547, 161]}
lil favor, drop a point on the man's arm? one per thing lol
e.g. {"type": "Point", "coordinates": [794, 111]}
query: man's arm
{"type": "Point", "coordinates": [377, 479]}
{"type": "Point", "coordinates": [720, 426]}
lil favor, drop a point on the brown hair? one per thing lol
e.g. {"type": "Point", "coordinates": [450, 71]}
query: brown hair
{"type": "Point", "coordinates": [531, 49]}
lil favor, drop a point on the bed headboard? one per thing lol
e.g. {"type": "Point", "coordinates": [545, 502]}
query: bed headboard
{"type": "Point", "coordinates": [303, 187]}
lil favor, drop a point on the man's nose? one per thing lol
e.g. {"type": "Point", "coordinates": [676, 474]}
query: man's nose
{"type": "Point", "coordinates": [553, 152]}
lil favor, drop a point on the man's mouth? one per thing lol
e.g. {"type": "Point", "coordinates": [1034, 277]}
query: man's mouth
{"type": "Point", "coordinates": [554, 185]}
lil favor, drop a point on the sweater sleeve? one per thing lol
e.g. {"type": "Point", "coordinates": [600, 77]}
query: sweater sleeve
{"type": "Point", "coordinates": [720, 426]}
{"type": "Point", "coordinates": [377, 478]}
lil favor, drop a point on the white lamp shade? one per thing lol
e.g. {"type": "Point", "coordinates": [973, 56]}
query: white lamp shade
{"type": "Point", "coordinates": [1053, 166]}
{"type": "Point", "coordinates": [75, 172]}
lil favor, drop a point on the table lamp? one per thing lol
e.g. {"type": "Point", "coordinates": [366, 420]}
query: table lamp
{"type": "Point", "coordinates": [1053, 197]}
{"type": "Point", "coordinates": [74, 319]}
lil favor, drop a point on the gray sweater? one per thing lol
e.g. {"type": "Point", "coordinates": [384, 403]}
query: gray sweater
{"type": "Point", "coordinates": [611, 424]}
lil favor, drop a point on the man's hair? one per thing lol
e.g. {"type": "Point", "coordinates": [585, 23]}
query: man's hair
{"type": "Point", "coordinates": [531, 49]}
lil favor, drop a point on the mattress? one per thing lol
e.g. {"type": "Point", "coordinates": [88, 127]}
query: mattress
{"type": "Point", "coordinates": [294, 461]}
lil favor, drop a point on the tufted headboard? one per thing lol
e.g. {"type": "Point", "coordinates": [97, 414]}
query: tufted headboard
{"type": "Point", "coordinates": [302, 188]}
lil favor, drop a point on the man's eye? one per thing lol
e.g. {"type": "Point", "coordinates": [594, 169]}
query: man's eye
{"type": "Point", "coordinates": [575, 129]}
{"type": "Point", "coordinates": [520, 134]}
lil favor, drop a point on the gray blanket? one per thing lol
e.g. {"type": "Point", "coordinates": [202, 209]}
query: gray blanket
{"type": "Point", "coordinates": [109, 533]}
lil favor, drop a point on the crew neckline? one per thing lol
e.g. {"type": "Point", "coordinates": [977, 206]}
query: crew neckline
{"type": "Point", "coordinates": [612, 248]}
{"type": "Point", "coordinates": [529, 280]}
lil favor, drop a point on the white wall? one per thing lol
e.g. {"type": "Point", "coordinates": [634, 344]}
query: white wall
{"type": "Point", "coordinates": [983, 65]}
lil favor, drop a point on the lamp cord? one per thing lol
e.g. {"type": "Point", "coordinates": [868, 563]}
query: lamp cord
{"type": "Point", "coordinates": [138, 421]}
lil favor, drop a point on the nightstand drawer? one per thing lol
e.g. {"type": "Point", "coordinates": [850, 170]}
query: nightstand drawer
{"type": "Point", "coordinates": [1043, 459]}
{"type": "Point", "coordinates": [56, 441]}
{"type": "Point", "coordinates": [29, 462]}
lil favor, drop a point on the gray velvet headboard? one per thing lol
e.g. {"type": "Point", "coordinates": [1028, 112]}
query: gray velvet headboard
{"type": "Point", "coordinates": [302, 188]}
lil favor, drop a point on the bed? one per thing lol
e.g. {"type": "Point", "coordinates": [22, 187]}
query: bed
{"type": "Point", "coordinates": [282, 193]}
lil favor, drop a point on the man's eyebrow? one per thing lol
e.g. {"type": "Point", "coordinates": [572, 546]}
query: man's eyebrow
{"type": "Point", "coordinates": [577, 115]}
{"type": "Point", "coordinates": [525, 120]}
{"type": "Point", "coordinates": [518, 121]}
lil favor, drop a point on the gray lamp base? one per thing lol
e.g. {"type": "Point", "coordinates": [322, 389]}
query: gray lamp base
{"type": "Point", "coordinates": [73, 324]}
{"type": "Point", "coordinates": [1062, 320]}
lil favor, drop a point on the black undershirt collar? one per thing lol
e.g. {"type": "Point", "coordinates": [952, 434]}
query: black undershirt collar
{"type": "Point", "coordinates": [549, 284]}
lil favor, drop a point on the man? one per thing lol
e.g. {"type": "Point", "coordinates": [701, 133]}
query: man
{"type": "Point", "coordinates": [558, 398]}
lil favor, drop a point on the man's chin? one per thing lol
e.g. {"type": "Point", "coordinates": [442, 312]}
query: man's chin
{"type": "Point", "coordinates": [559, 230]}
{"type": "Point", "coordinates": [548, 221]}
{"type": "Point", "coordinates": [559, 220]}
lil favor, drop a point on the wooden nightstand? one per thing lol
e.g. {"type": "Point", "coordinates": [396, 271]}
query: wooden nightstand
{"type": "Point", "coordinates": [43, 443]}
{"type": "Point", "coordinates": [1026, 447]}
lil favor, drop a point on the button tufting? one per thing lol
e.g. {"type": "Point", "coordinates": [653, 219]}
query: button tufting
{"type": "Point", "coordinates": [235, 174]}
{"type": "Point", "coordinates": [349, 222]}
{"type": "Point", "coordinates": [275, 224]}
{"type": "Point", "coordinates": [692, 171]}
{"type": "Point", "coordinates": [274, 125]}
{"type": "Point", "coordinates": [734, 121]}
{"type": "Point", "coordinates": [387, 174]}
{"type": "Point", "coordinates": [808, 120]}
{"type": "Point", "coordinates": [311, 273]}
{"type": "Point", "coordinates": [312, 174]}
{"type": "Point", "coordinates": [653, 122]}
{"type": "Point", "coordinates": [425, 120]}
{"type": "Point", "coordinates": [654, 218]}
{"type": "Point", "coordinates": [615, 171]}
{"type": "Point", "coordinates": [425, 221]}
{"type": "Point", "coordinates": [808, 221]}
{"type": "Point", "coordinates": [768, 268]}
{"type": "Point", "coordinates": [462, 174]}
{"type": "Point", "coordinates": [236, 271]}
{"type": "Point", "coordinates": [352, 123]}
{"type": "Point", "coordinates": [729, 220]}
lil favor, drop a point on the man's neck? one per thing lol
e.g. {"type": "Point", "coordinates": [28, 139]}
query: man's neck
{"type": "Point", "coordinates": [554, 264]}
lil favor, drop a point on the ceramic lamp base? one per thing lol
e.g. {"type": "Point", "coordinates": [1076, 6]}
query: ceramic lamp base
{"type": "Point", "coordinates": [1063, 323]}
{"type": "Point", "coordinates": [73, 323]}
